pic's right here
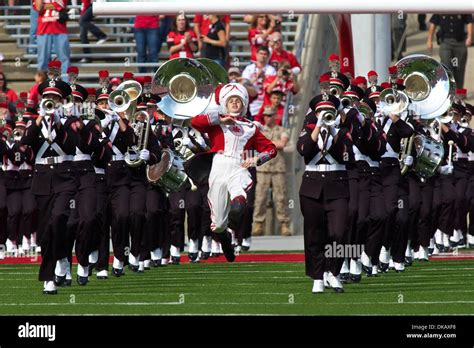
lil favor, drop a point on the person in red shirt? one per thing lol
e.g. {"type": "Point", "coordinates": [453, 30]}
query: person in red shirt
{"type": "Point", "coordinates": [86, 25]}
{"type": "Point", "coordinates": [259, 31]}
{"type": "Point", "coordinates": [52, 31]}
{"type": "Point", "coordinates": [33, 95]}
{"type": "Point", "coordinates": [8, 95]}
{"type": "Point", "coordinates": [182, 41]}
{"type": "Point", "coordinates": [202, 24]}
{"type": "Point", "coordinates": [274, 108]}
{"type": "Point", "coordinates": [283, 82]}
{"type": "Point", "coordinates": [279, 54]}
{"type": "Point", "coordinates": [146, 37]}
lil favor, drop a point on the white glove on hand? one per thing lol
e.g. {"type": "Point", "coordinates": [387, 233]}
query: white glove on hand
{"type": "Point", "coordinates": [186, 142]}
{"type": "Point", "coordinates": [454, 127]}
{"type": "Point", "coordinates": [72, 13]}
{"type": "Point", "coordinates": [57, 118]}
{"type": "Point", "coordinates": [446, 170]}
{"type": "Point", "coordinates": [144, 155]}
{"type": "Point", "coordinates": [320, 121]}
{"type": "Point", "coordinates": [42, 112]}
{"type": "Point", "coordinates": [408, 160]}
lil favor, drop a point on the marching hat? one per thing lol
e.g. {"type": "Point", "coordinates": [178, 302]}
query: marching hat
{"type": "Point", "coordinates": [54, 64]}
{"type": "Point", "coordinates": [338, 79]}
{"type": "Point", "coordinates": [469, 109]}
{"type": "Point", "coordinates": [370, 103]}
{"type": "Point", "coordinates": [372, 73]}
{"type": "Point", "coordinates": [128, 75]}
{"type": "Point", "coordinates": [374, 91]}
{"type": "Point", "coordinates": [79, 92]}
{"type": "Point", "coordinates": [360, 80]}
{"type": "Point", "coordinates": [57, 87]}
{"type": "Point", "coordinates": [102, 93]}
{"type": "Point", "coordinates": [354, 91]}
{"type": "Point", "coordinates": [333, 57]}
{"type": "Point", "coordinates": [324, 101]}
{"type": "Point", "coordinates": [459, 108]}
{"type": "Point", "coordinates": [73, 70]}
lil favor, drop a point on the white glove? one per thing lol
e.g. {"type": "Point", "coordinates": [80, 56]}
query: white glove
{"type": "Point", "coordinates": [186, 142]}
{"type": "Point", "coordinates": [57, 118]}
{"type": "Point", "coordinates": [454, 127]}
{"type": "Point", "coordinates": [42, 112]}
{"type": "Point", "coordinates": [360, 117]}
{"type": "Point", "coordinates": [408, 160]}
{"type": "Point", "coordinates": [144, 155]}
{"type": "Point", "coordinates": [333, 131]}
{"type": "Point", "coordinates": [72, 13]}
{"type": "Point", "coordinates": [446, 170]}
{"type": "Point", "coordinates": [320, 121]}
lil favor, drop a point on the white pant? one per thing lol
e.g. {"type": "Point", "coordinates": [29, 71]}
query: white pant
{"type": "Point", "coordinates": [227, 180]}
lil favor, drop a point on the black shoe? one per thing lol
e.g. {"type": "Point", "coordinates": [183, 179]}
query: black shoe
{"type": "Point", "coordinates": [156, 263]}
{"type": "Point", "coordinates": [383, 267]}
{"type": "Point", "coordinates": [430, 251]}
{"type": "Point", "coordinates": [68, 282]}
{"type": "Point", "coordinates": [399, 270]}
{"type": "Point", "coordinates": [205, 255]}
{"type": "Point", "coordinates": [50, 292]}
{"type": "Point", "coordinates": [338, 290]}
{"type": "Point", "coordinates": [175, 260]}
{"type": "Point", "coordinates": [408, 261]}
{"type": "Point", "coordinates": [60, 280]}
{"type": "Point", "coordinates": [344, 277]}
{"type": "Point", "coordinates": [193, 257]}
{"type": "Point", "coordinates": [355, 278]}
{"type": "Point", "coordinates": [245, 248]}
{"type": "Point", "coordinates": [367, 270]}
{"type": "Point", "coordinates": [133, 268]}
{"type": "Point", "coordinates": [225, 238]}
{"type": "Point", "coordinates": [215, 254]}
{"type": "Point", "coordinates": [440, 248]}
{"type": "Point", "coordinates": [118, 272]}
{"type": "Point", "coordinates": [82, 280]}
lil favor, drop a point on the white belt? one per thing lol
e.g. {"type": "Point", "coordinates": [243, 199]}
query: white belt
{"type": "Point", "coordinates": [118, 157]}
{"type": "Point", "coordinates": [11, 167]}
{"type": "Point", "coordinates": [99, 170]}
{"type": "Point", "coordinates": [82, 157]}
{"type": "Point", "coordinates": [462, 155]}
{"type": "Point", "coordinates": [324, 167]}
{"type": "Point", "coordinates": [54, 160]}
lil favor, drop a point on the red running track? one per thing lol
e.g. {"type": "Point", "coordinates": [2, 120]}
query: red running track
{"type": "Point", "coordinates": [295, 257]}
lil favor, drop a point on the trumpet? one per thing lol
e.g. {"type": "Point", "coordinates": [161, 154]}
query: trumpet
{"type": "Point", "coordinates": [17, 134]}
{"type": "Point", "coordinates": [393, 101]}
{"type": "Point", "coordinates": [48, 105]}
{"type": "Point", "coordinates": [124, 98]}
{"type": "Point", "coordinates": [328, 117]}
{"type": "Point", "coordinates": [347, 102]}
{"type": "Point", "coordinates": [335, 90]}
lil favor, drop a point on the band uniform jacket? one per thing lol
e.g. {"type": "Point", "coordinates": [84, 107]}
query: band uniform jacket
{"type": "Point", "coordinates": [54, 177]}
{"type": "Point", "coordinates": [332, 184]}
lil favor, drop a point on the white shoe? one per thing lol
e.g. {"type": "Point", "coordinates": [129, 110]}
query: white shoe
{"type": "Point", "coordinates": [409, 251]}
{"type": "Point", "coordinates": [147, 264]}
{"type": "Point", "coordinates": [246, 243]}
{"type": "Point", "coordinates": [174, 251]}
{"type": "Point", "coordinates": [164, 261]}
{"type": "Point", "coordinates": [457, 235]}
{"type": "Point", "coordinates": [384, 256]}
{"type": "Point", "coordinates": [38, 250]}
{"type": "Point", "coordinates": [432, 244]}
{"type": "Point", "coordinates": [375, 270]}
{"type": "Point", "coordinates": [214, 247]}
{"type": "Point", "coordinates": [345, 266]}
{"type": "Point", "coordinates": [101, 41]}
{"type": "Point", "coordinates": [156, 254]}
{"type": "Point", "coordinates": [334, 282]}
{"type": "Point", "coordinates": [416, 254]}
{"type": "Point", "coordinates": [117, 264]}
{"type": "Point", "coordinates": [104, 274]}
{"type": "Point", "coordinates": [11, 248]}
{"type": "Point", "coordinates": [61, 267]}
{"type": "Point", "coordinates": [438, 236]}
{"type": "Point", "coordinates": [2, 253]}
{"type": "Point", "coordinates": [365, 259]}
{"type": "Point", "coordinates": [325, 280]}
{"type": "Point", "coordinates": [356, 267]}
{"type": "Point", "coordinates": [49, 288]}
{"type": "Point", "coordinates": [391, 264]}
{"type": "Point", "coordinates": [206, 244]}
{"type": "Point", "coordinates": [435, 250]}
{"type": "Point", "coordinates": [82, 271]}
{"type": "Point", "coordinates": [399, 267]}
{"type": "Point", "coordinates": [446, 240]}
{"type": "Point", "coordinates": [193, 246]}
{"type": "Point", "coordinates": [237, 250]}
{"type": "Point", "coordinates": [423, 253]}
{"type": "Point", "coordinates": [318, 286]}
{"type": "Point", "coordinates": [25, 244]}
{"type": "Point", "coordinates": [470, 239]}
{"type": "Point", "coordinates": [132, 260]}
{"type": "Point", "coordinates": [141, 266]}
{"type": "Point", "coordinates": [94, 256]}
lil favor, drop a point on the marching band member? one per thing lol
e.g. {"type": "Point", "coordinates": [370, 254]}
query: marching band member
{"type": "Point", "coordinates": [324, 191]}
{"type": "Point", "coordinates": [5, 130]}
{"type": "Point", "coordinates": [470, 194]}
{"type": "Point", "coordinates": [231, 136]}
{"type": "Point", "coordinates": [54, 142]}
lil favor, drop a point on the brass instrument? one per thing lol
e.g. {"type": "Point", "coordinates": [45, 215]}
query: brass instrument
{"type": "Point", "coordinates": [365, 111]}
{"type": "Point", "coordinates": [142, 131]}
{"type": "Point", "coordinates": [405, 150]}
{"type": "Point", "coordinates": [450, 153]}
{"type": "Point", "coordinates": [347, 102]}
{"type": "Point", "coordinates": [328, 117]}
{"type": "Point", "coordinates": [124, 98]}
{"type": "Point", "coordinates": [393, 101]}
{"type": "Point", "coordinates": [48, 105]}
{"type": "Point", "coordinates": [335, 90]}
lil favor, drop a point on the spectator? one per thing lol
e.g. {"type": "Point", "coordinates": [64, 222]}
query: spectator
{"type": "Point", "coordinates": [163, 30]}
{"type": "Point", "coordinates": [235, 76]}
{"type": "Point", "coordinates": [214, 42]}
{"type": "Point", "coordinates": [422, 22]}
{"type": "Point", "coordinates": [272, 174]}
{"type": "Point", "coordinates": [33, 28]}
{"type": "Point", "coordinates": [282, 81]}
{"type": "Point", "coordinates": [259, 31]}
{"type": "Point", "coordinates": [146, 37]}
{"type": "Point", "coordinates": [52, 32]}
{"type": "Point", "coordinates": [256, 74]}
{"type": "Point", "coordinates": [8, 95]}
{"type": "Point", "coordinates": [453, 42]}
{"type": "Point", "coordinates": [202, 24]}
{"type": "Point", "coordinates": [33, 95]}
{"type": "Point", "coordinates": [398, 28]}
{"type": "Point", "coordinates": [86, 25]}
{"type": "Point", "coordinates": [278, 54]}
{"type": "Point", "coordinates": [274, 108]}
{"type": "Point", "coordinates": [182, 41]}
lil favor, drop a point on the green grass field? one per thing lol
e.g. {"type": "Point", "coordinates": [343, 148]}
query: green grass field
{"type": "Point", "coordinates": [435, 287]}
